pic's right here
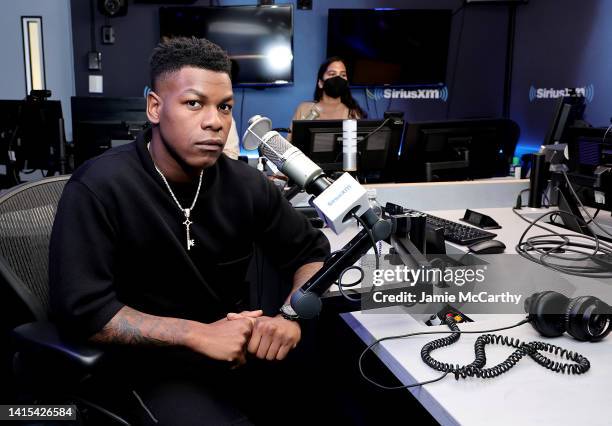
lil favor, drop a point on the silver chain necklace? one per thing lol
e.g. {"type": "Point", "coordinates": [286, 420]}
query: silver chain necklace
{"type": "Point", "coordinates": [186, 212]}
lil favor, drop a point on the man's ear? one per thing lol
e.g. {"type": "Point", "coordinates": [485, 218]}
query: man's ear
{"type": "Point", "coordinates": [153, 107]}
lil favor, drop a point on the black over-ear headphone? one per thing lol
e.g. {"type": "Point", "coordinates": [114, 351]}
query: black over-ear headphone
{"type": "Point", "coordinates": [586, 318]}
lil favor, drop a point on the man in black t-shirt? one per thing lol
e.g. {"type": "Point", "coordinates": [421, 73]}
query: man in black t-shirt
{"type": "Point", "coordinates": [152, 241]}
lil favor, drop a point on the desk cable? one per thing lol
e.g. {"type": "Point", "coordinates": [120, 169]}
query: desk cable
{"type": "Point", "coordinates": [341, 285]}
{"type": "Point", "coordinates": [546, 248]}
{"type": "Point", "coordinates": [580, 364]}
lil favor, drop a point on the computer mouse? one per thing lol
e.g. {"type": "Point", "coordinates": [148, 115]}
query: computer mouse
{"type": "Point", "coordinates": [487, 247]}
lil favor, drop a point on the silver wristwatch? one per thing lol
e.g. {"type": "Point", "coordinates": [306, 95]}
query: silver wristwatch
{"type": "Point", "coordinates": [288, 313]}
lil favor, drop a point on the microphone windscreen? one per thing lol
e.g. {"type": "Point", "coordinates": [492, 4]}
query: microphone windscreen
{"type": "Point", "coordinates": [274, 149]}
{"type": "Point", "coordinates": [258, 127]}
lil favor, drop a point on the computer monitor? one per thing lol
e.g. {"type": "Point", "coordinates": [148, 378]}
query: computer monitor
{"type": "Point", "coordinates": [568, 110]}
{"type": "Point", "coordinates": [590, 167]}
{"type": "Point", "coordinates": [321, 141]}
{"type": "Point", "coordinates": [101, 123]}
{"type": "Point", "coordinates": [457, 150]}
{"type": "Point", "coordinates": [9, 112]}
{"type": "Point", "coordinates": [33, 130]}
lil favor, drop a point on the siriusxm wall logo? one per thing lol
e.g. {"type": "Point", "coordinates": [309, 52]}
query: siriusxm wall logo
{"type": "Point", "coordinates": [586, 92]}
{"type": "Point", "coordinates": [378, 94]}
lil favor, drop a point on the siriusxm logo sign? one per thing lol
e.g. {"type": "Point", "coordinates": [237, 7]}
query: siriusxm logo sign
{"type": "Point", "coordinates": [346, 189]}
{"type": "Point", "coordinates": [586, 92]}
{"type": "Point", "coordinates": [378, 94]}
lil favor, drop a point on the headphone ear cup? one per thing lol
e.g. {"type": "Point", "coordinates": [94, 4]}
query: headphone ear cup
{"type": "Point", "coordinates": [587, 318]}
{"type": "Point", "coordinates": [546, 312]}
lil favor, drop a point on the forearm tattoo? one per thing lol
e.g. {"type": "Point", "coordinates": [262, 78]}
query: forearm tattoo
{"type": "Point", "coordinates": [132, 327]}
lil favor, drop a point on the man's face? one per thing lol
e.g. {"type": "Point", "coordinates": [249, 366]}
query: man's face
{"type": "Point", "coordinates": [193, 110]}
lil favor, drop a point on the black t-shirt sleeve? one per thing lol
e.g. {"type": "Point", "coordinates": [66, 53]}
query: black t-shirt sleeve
{"type": "Point", "coordinates": [286, 236]}
{"type": "Point", "coordinates": [81, 259]}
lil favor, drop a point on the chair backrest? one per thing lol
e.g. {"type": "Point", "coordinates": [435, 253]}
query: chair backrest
{"type": "Point", "coordinates": [27, 212]}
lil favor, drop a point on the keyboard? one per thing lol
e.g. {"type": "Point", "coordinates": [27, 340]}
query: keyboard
{"type": "Point", "coordinates": [455, 232]}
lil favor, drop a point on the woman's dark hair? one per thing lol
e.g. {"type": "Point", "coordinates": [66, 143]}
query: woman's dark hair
{"type": "Point", "coordinates": [347, 98]}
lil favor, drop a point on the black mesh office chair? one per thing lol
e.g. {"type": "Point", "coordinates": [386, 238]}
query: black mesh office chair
{"type": "Point", "coordinates": [26, 219]}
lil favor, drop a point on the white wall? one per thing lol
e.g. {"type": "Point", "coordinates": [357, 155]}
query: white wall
{"type": "Point", "coordinates": [57, 39]}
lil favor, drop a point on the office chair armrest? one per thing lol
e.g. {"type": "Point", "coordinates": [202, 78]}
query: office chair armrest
{"type": "Point", "coordinates": [44, 337]}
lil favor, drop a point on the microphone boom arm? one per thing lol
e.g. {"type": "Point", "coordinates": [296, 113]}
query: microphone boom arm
{"type": "Point", "coordinates": [306, 301]}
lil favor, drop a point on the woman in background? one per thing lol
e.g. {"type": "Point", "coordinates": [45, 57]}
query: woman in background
{"type": "Point", "coordinates": [332, 97]}
{"type": "Point", "coordinates": [232, 146]}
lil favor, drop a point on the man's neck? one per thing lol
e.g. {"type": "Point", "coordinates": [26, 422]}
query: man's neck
{"type": "Point", "coordinates": [168, 165]}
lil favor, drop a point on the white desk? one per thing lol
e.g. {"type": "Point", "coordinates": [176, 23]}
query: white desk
{"type": "Point", "coordinates": [528, 393]}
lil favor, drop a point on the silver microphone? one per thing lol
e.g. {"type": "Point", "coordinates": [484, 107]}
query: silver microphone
{"type": "Point", "coordinates": [335, 201]}
{"type": "Point", "coordinates": [349, 145]}
{"type": "Point", "coordinates": [314, 113]}
{"type": "Point", "coordinates": [289, 159]}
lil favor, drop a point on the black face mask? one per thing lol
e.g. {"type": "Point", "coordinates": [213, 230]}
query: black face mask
{"type": "Point", "coordinates": [335, 87]}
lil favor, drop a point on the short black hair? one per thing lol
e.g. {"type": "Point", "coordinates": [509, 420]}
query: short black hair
{"type": "Point", "coordinates": [175, 53]}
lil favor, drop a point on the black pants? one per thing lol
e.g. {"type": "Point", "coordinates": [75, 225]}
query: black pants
{"type": "Point", "coordinates": [197, 392]}
{"type": "Point", "coordinates": [178, 387]}
{"type": "Point", "coordinates": [181, 401]}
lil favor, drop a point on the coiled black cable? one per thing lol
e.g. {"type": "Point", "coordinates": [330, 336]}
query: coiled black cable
{"type": "Point", "coordinates": [447, 341]}
{"type": "Point", "coordinates": [475, 369]}
{"type": "Point", "coordinates": [420, 333]}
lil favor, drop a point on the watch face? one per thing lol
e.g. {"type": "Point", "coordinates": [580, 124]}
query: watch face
{"type": "Point", "coordinates": [288, 310]}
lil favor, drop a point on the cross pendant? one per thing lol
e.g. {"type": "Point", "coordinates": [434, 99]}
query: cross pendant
{"type": "Point", "coordinates": [187, 223]}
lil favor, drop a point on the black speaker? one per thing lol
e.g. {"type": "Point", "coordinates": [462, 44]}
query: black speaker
{"type": "Point", "coordinates": [165, 1]}
{"type": "Point", "coordinates": [537, 180]}
{"type": "Point", "coordinates": [502, 2]}
{"type": "Point", "coordinates": [113, 8]}
{"type": "Point", "coordinates": [304, 4]}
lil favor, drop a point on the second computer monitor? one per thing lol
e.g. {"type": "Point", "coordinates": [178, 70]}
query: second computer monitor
{"type": "Point", "coordinates": [32, 129]}
{"type": "Point", "coordinates": [457, 150]}
{"type": "Point", "coordinates": [568, 111]}
{"type": "Point", "coordinates": [100, 123]}
{"type": "Point", "coordinates": [321, 141]}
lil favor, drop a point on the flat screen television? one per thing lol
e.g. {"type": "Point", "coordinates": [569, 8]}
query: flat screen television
{"type": "Point", "coordinates": [392, 47]}
{"type": "Point", "coordinates": [258, 39]}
